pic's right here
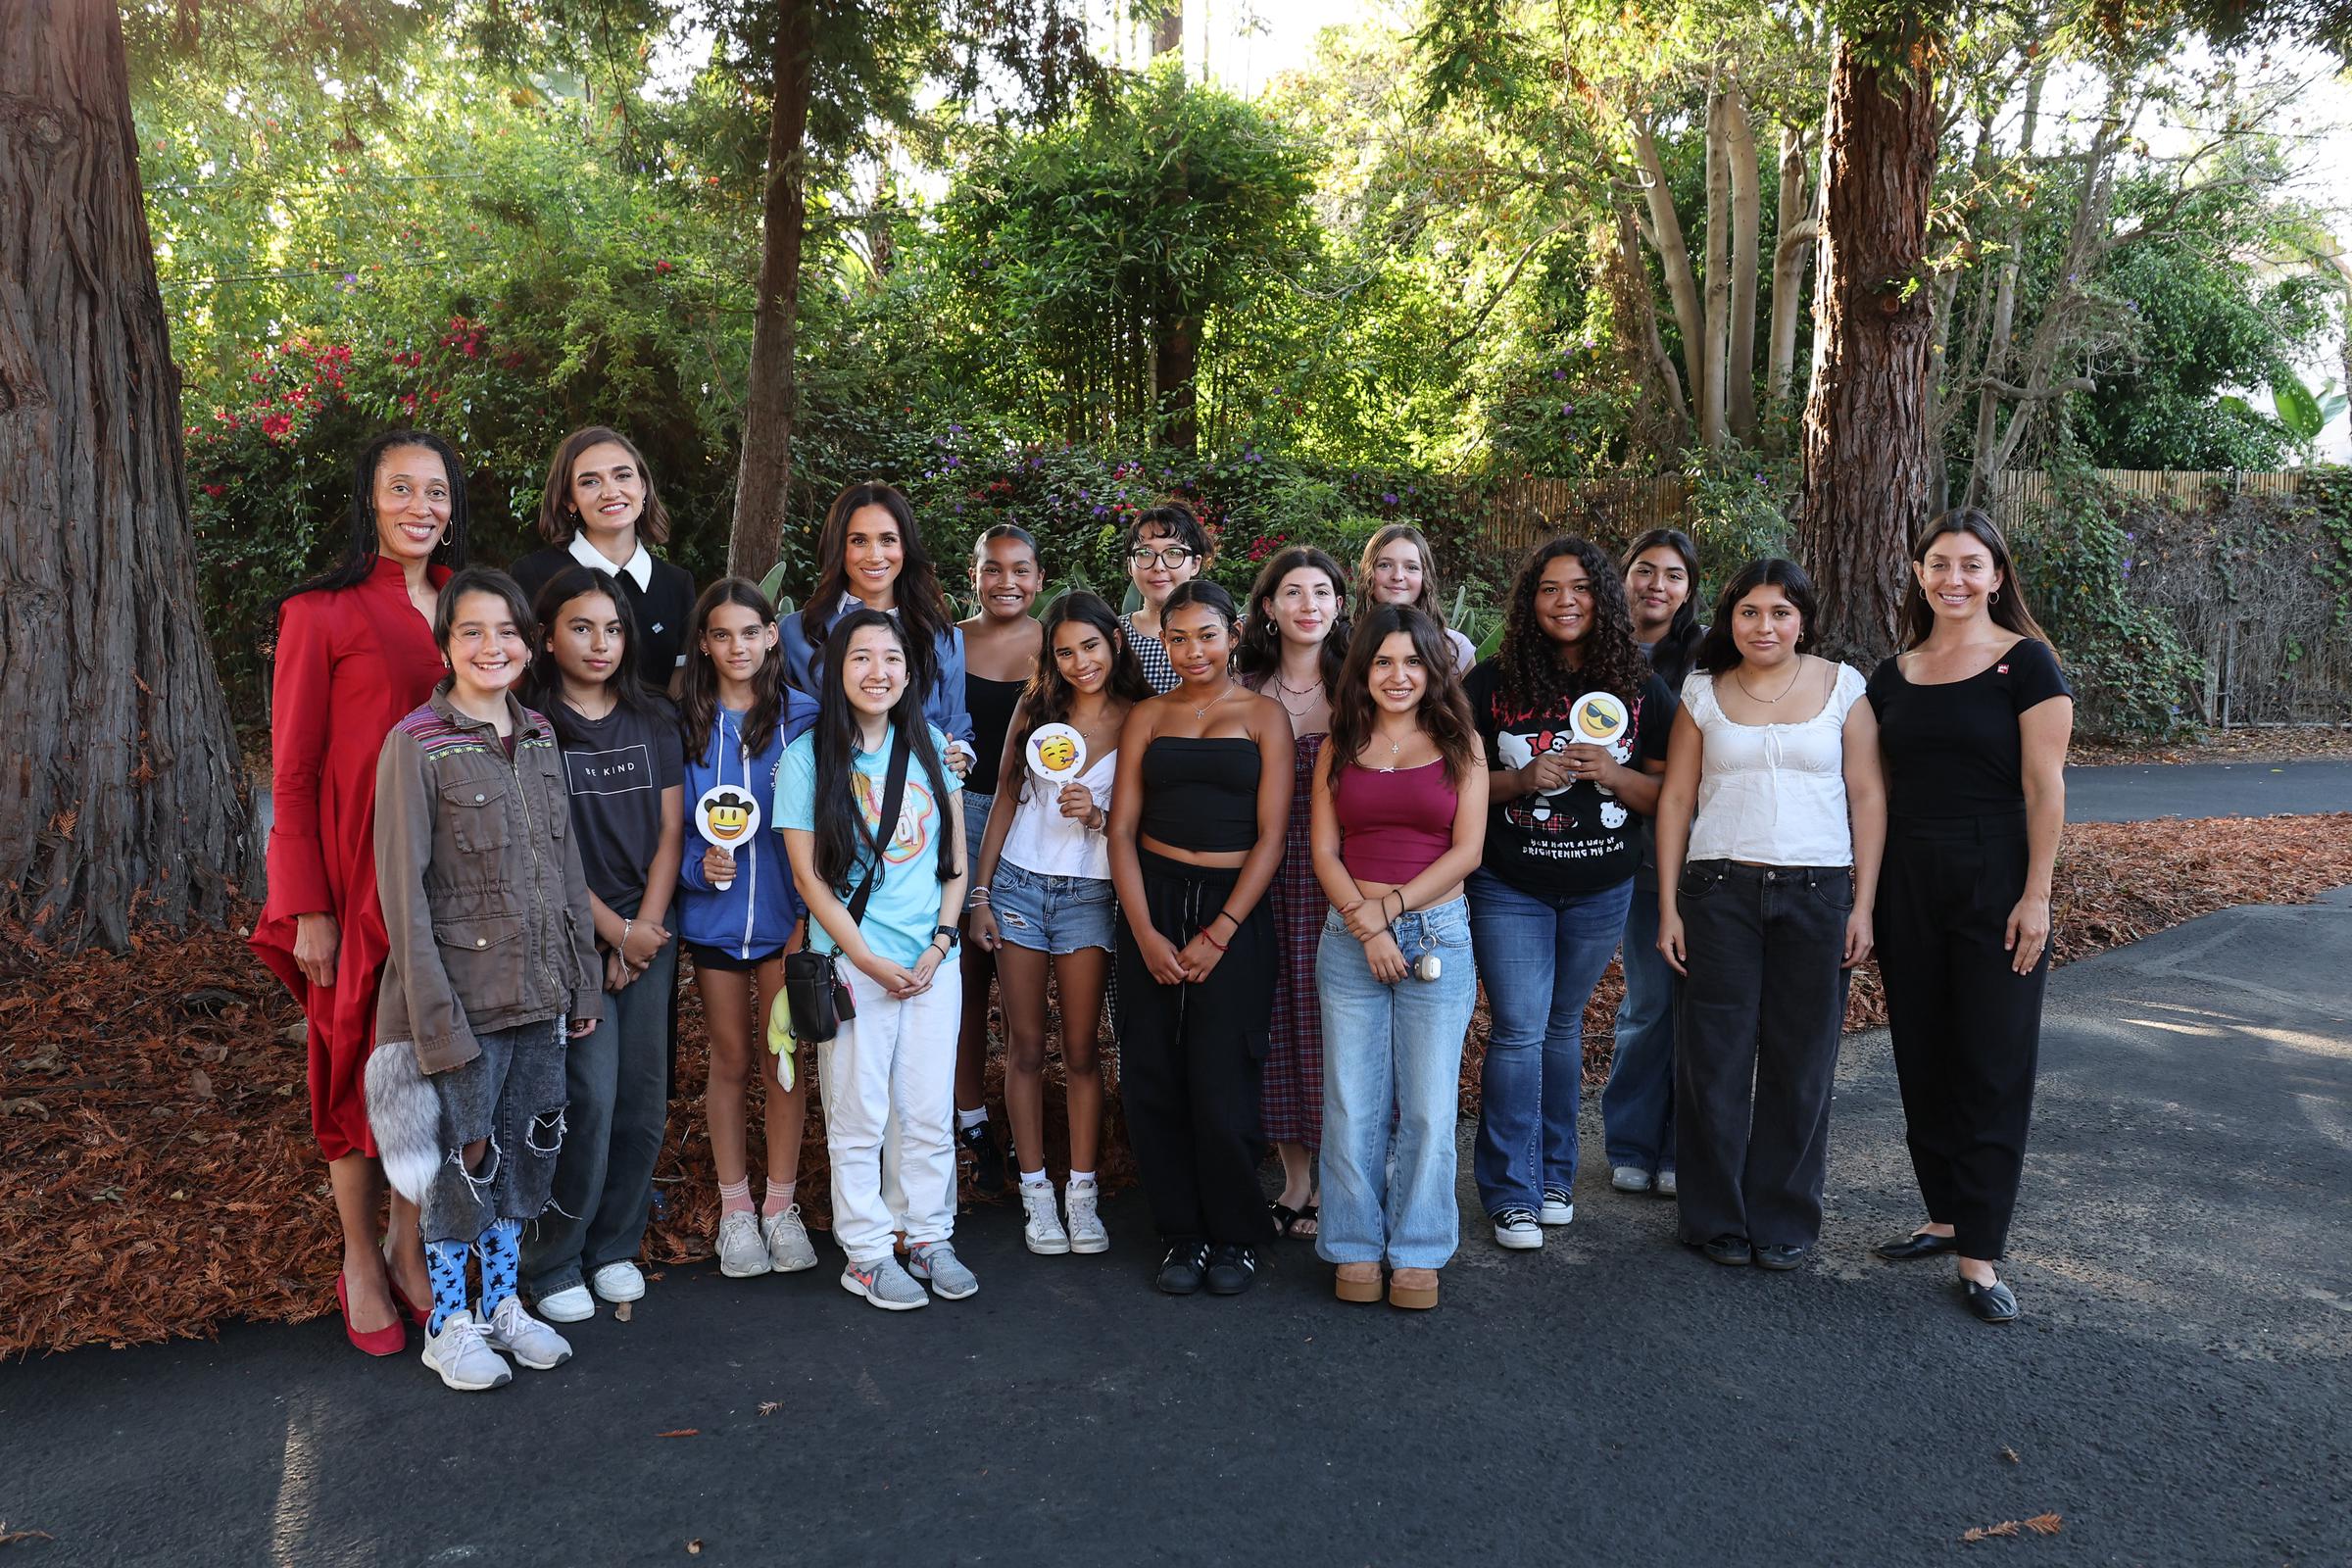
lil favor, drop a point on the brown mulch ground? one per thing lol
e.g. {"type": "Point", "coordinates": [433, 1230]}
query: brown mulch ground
{"type": "Point", "coordinates": [157, 1175]}
{"type": "Point", "coordinates": [2264, 743]}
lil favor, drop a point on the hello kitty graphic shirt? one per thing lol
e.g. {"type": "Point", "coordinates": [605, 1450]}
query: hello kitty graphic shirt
{"type": "Point", "coordinates": [1582, 838]}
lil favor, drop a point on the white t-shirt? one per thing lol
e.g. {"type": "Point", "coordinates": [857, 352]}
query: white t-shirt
{"type": "Point", "coordinates": [1045, 842]}
{"type": "Point", "coordinates": [1772, 794]}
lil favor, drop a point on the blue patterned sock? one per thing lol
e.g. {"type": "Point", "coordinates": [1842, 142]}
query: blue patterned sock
{"type": "Point", "coordinates": [445, 1262]}
{"type": "Point", "coordinates": [501, 1246]}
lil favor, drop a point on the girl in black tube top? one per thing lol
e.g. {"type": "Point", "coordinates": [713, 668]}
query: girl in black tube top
{"type": "Point", "coordinates": [1197, 815]}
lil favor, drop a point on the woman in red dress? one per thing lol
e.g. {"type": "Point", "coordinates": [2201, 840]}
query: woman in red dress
{"type": "Point", "coordinates": [355, 655]}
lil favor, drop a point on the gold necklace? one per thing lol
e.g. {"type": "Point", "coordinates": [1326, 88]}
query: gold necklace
{"type": "Point", "coordinates": [1785, 691]}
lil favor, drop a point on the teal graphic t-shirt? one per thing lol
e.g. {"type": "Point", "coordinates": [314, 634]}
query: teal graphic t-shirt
{"type": "Point", "coordinates": [904, 912]}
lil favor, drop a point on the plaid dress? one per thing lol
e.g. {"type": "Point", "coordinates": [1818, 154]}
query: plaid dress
{"type": "Point", "coordinates": [1152, 656]}
{"type": "Point", "coordinates": [1291, 1088]}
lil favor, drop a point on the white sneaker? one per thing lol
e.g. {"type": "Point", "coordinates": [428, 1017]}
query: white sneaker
{"type": "Point", "coordinates": [1516, 1229]}
{"type": "Point", "coordinates": [462, 1354]}
{"type": "Point", "coordinates": [1629, 1179]}
{"type": "Point", "coordinates": [787, 1239]}
{"type": "Point", "coordinates": [1558, 1209]}
{"type": "Point", "coordinates": [616, 1283]}
{"type": "Point", "coordinates": [1666, 1184]}
{"type": "Point", "coordinates": [526, 1339]}
{"type": "Point", "coordinates": [884, 1283]}
{"type": "Point", "coordinates": [1043, 1228]}
{"type": "Point", "coordinates": [742, 1254]}
{"type": "Point", "coordinates": [570, 1304]}
{"type": "Point", "coordinates": [1087, 1234]}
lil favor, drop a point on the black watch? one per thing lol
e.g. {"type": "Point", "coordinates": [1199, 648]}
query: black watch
{"type": "Point", "coordinates": [947, 931]}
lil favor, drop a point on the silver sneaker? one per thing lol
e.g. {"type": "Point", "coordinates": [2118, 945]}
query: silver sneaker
{"type": "Point", "coordinates": [742, 1254]}
{"type": "Point", "coordinates": [1629, 1179]}
{"type": "Point", "coordinates": [937, 1262]}
{"type": "Point", "coordinates": [885, 1284]}
{"type": "Point", "coordinates": [618, 1282]}
{"type": "Point", "coordinates": [787, 1240]}
{"type": "Point", "coordinates": [570, 1304]}
{"type": "Point", "coordinates": [462, 1354]}
{"type": "Point", "coordinates": [1087, 1234]}
{"type": "Point", "coordinates": [1043, 1230]}
{"type": "Point", "coordinates": [1666, 1184]}
{"type": "Point", "coordinates": [526, 1339]}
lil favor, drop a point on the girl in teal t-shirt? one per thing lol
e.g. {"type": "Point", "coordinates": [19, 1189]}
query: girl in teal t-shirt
{"type": "Point", "coordinates": [897, 1056]}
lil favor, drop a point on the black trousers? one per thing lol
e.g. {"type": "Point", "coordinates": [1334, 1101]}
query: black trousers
{"type": "Point", "coordinates": [1967, 1030]}
{"type": "Point", "coordinates": [1757, 1023]}
{"type": "Point", "coordinates": [1188, 1060]}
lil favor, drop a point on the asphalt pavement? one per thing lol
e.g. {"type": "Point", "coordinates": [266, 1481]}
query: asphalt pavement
{"type": "Point", "coordinates": [2180, 1390]}
{"type": "Point", "coordinates": [2141, 792]}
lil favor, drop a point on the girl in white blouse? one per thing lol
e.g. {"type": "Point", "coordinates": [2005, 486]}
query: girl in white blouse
{"type": "Point", "coordinates": [1764, 907]}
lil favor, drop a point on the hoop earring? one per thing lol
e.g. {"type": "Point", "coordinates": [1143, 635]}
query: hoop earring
{"type": "Point", "coordinates": [447, 529]}
{"type": "Point", "coordinates": [1996, 597]}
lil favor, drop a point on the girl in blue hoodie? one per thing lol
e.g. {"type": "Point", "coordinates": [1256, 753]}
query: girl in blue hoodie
{"type": "Point", "coordinates": [738, 912]}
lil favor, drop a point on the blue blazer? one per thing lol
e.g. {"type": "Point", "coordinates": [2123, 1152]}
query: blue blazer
{"type": "Point", "coordinates": [943, 704]}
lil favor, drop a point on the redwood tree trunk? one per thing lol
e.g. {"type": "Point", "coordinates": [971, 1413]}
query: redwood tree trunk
{"type": "Point", "coordinates": [764, 476]}
{"type": "Point", "coordinates": [120, 791]}
{"type": "Point", "coordinates": [1866, 451]}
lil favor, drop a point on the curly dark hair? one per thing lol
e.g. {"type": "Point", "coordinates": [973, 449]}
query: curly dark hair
{"type": "Point", "coordinates": [1444, 712]}
{"type": "Point", "coordinates": [1536, 672]}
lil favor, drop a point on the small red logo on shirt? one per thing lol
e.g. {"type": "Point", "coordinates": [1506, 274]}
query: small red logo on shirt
{"type": "Point", "coordinates": [2000, 669]}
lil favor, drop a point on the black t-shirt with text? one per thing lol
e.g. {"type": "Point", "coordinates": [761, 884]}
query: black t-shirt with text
{"type": "Point", "coordinates": [1579, 840]}
{"type": "Point", "coordinates": [616, 768]}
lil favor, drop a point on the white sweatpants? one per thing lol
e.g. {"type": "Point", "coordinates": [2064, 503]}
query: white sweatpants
{"type": "Point", "coordinates": [887, 1079]}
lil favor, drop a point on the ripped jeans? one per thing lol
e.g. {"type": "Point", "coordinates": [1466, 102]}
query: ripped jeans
{"type": "Point", "coordinates": [511, 1095]}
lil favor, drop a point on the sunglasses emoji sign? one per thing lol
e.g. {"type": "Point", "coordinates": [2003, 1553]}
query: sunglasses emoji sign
{"type": "Point", "coordinates": [726, 816]}
{"type": "Point", "coordinates": [1057, 753]}
{"type": "Point", "coordinates": [1598, 717]}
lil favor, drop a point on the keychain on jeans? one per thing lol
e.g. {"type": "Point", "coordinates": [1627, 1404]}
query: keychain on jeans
{"type": "Point", "coordinates": [1428, 966]}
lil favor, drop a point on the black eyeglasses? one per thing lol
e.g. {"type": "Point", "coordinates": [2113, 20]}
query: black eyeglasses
{"type": "Point", "coordinates": [1171, 556]}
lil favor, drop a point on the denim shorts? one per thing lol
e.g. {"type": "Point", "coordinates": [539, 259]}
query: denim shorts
{"type": "Point", "coordinates": [976, 806]}
{"type": "Point", "coordinates": [1053, 913]}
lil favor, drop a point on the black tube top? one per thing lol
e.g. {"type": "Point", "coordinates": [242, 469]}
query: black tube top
{"type": "Point", "coordinates": [1201, 793]}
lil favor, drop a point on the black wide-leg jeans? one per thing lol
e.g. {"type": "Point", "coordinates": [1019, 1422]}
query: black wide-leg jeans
{"type": "Point", "coordinates": [1758, 1021]}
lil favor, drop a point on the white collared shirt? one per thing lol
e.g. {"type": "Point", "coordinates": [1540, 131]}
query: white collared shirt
{"type": "Point", "coordinates": [639, 566]}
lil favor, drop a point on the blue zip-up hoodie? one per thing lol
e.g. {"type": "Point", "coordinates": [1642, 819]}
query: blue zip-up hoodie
{"type": "Point", "coordinates": [943, 704]}
{"type": "Point", "coordinates": [753, 917]}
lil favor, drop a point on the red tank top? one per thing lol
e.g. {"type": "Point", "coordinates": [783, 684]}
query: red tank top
{"type": "Point", "coordinates": [1393, 825]}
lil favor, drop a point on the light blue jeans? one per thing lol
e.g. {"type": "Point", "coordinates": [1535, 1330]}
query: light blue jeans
{"type": "Point", "coordinates": [1636, 1108]}
{"type": "Point", "coordinates": [1392, 1057]}
{"type": "Point", "coordinates": [1540, 958]}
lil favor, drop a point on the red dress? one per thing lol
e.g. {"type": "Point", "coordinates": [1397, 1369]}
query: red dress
{"type": "Point", "coordinates": [352, 662]}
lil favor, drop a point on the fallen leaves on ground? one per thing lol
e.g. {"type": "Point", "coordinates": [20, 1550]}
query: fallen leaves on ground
{"type": "Point", "coordinates": [2262, 743]}
{"type": "Point", "coordinates": [2041, 1523]}
{"type": "Point", "coordinates": [136, 1206]}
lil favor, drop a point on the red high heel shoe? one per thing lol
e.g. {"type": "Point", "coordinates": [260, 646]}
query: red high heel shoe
{"type": "Point", "coordinates": [390, 1340]}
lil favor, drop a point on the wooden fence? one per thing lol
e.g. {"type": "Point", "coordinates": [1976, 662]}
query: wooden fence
{"type": "Point", "coordinates": [2017, 493]}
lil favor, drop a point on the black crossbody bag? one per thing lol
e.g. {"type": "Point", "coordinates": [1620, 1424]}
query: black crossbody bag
{"type": "Point", "coordinates": [815, 994]}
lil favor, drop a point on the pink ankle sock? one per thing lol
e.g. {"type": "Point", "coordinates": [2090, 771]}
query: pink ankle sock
{"type": "Point", "coordinates": [735, 1197]}
{"type": "Point", "coordinates": [776, 1200]}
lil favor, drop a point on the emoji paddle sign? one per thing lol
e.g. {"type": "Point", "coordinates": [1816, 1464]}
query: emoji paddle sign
{"type": "Point", "coordinates": [1057, 753]}
{"type": "Point", "coordinates": [1598, 717]}
{"type": "Point", "coordinates": [726, 816]}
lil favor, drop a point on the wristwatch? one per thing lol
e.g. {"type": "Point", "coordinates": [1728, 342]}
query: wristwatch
{"type": "Point", "coordinates": [950, 932]}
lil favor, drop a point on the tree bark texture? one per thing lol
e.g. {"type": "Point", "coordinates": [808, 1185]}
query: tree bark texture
{"type": "Point", "coordinates": [763, 475]}
{"type": "Point", "coordinates": [1665, 235]}
{"type": "Point", "coordinates": [1167, 28]}
{"type": "Point", "coordinates": [1175, 375]}
{"type": "Point", "coordinates": [119, 790]}
{"type": "Point", "coordinates": [1800, 225]}
{"type": "Point", "coordinates": [1748, 219]}
{"type": "Point", "coordinates": [1635, 312]}
{"type": "Point", "coordinates": [1999, 335]}
{"type": "Point", "coordinates": [1713, 402]}
{"type": "Point", "coordinates": [1866, 454]}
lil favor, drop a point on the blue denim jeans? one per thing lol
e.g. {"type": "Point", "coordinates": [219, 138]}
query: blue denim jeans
{"type": "Point", "coordinates": [1636, 1108]}
{"type": "Point", "coordinates": [1540, 958]}
{"type": "Point", "coordinates": [1392, 1057]}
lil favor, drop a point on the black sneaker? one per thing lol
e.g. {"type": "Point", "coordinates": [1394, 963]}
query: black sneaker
{"type": "Point", "coordinates": [979, 1140]}
{"type": "Point", "coordinates": [1231, 1269]}
{"type": "Point", "coordinates": [1183, 1269]}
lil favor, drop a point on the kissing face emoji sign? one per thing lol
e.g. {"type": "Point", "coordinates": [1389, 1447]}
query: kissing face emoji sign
{"type": "Point", "coordinates": [1057, 753]}
{"type": "Point", "coordinates": [1598, 717]}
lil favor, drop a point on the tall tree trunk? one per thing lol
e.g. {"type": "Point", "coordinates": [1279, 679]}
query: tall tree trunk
{"type": "Point", "coordinates": [763, 475]}
{"type": "Point", "coordinates": [2004, 303]}
{"type": "Point", "coordinates": [1865, 445]}
{"type": "Point", "coordinates": [1167, 28]}
{"type": "Point", "coordinates": [121, 788]}
{"type": "Point", "coordinates": [1799, 223]}
{"type": "Point", "coordinates": [1748, 218]}
{"type": "Point", "coordinates": [1637, 319]}
{"type": "Point", "coordinates": [1175, 368]}
{"type": "Point", "coordinates": [1711, 378]}
{"type": "Point", "coordinates": [1665, 235]}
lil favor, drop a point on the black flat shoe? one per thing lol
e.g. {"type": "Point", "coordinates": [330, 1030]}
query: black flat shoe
{"type": "Point", "coordinates": [1183, 1271]}
{"type": "Point", "coordinates": [1992, 1303]}
{"type": "Point", "coordinates": [1231, 1269]}
{"type": "Point", "coordinates": [1780, 1259]}
{"type": "Point", "coordinates": [1733, 1251]}
{"type": "Point", "coordinates": [1904, 1249]}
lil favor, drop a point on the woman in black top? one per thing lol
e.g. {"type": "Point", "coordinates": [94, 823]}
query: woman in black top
{"type": "Point", "coordinates": [1199, 811]}
{"type": "Point", "coordinates": [1974, 717]}
{"type": "Point", "coordinates": [599, 510]}
{"type": "Point", "coordinates": [1001, 644]}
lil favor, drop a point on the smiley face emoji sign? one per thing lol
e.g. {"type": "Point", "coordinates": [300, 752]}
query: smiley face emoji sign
{"type": "Point", "coordinates": [726, 816]}
{"type": "Point", "coordinates": [1057, 753]}
{"type": "Point", "coordinates": [1598, 717]}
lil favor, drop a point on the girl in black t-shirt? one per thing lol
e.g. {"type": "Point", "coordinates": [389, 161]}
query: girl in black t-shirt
{"type": "Point", "coordinates": [1974, 717]}
{"type": "Point", "coordinates": [1548, 906]}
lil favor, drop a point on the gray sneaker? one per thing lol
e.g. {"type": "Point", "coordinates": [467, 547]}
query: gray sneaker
{"type": "Point", "coordinates": [885, 1284]}
{"type": "Point", "coordinates": [1666, 1187]}
{"type": "Point", "coordinates": [742, 1254]}
{"type": "Point", "coordinates": [787, 1240]}
{"type": "Point", "coordinates": [462, 1354]}
{"type": "Point", "coordinates": [1041, 1227]}
{"type": "Point", "coordinates": [526, 1339]}
{"type": "Point", "coordinates": [1629, 1179]}
{"type": "Point", "coordinates": [937, 1262]}
{"type": "Point", "coordinates": [1087, 1234]}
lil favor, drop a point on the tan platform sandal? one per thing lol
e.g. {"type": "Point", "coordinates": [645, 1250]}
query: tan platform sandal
{"type": "Point", "coordinates": [1356, 1282]}
{"type": "Point", "coordinates": [1414, 1288]}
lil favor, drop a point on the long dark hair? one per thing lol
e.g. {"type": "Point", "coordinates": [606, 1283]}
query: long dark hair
{"type": "Point", "coordinates": [362, 547]}
{"type": "Point", "coordinates": [1444, 712]}
{"type": "Point", "coordinates": [1050, 697]}
{"type": "Point", "coordinates": [1535, 676]}
{"type": "Point", "coordinates": [922, 606]}
{"type": "Point", "coordinates": [697, 687]}
{"type": "Point", "coordinates": [2008, 609]}
{"type": "Point", "coordinates": [839, 821]}
{"type": "Point", "coordinates": [1260, 654]}
{"type": "Point", "coordinates": [557, 520]}
{"type": "Point", "coordinates": [545, 682]}
{"type": "Point", "coordinates": [1717, 652]}
{"type": "Point", "coordinates": [1675, 651]}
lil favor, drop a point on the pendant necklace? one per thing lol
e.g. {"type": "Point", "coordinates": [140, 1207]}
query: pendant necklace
{"type": "Point", "coordinates": [1284, 692]}
{"type": "Point", "coordinates": [1214, 700]}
